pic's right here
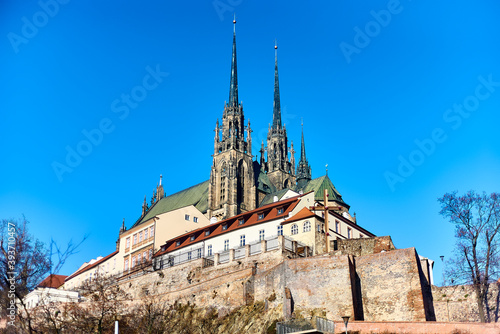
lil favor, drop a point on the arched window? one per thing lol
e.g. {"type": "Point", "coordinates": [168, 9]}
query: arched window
{"type": "Point", "coordinates": [223, 174]}
{"type": "Point", "coordinates": [307, 226]}
{"type": "Point", "coordinates": [295, 229]}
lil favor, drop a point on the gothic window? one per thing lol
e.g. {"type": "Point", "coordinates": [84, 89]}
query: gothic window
{"type": "Point", "coordinates": [295, 229]}
{"type": "Point", "coordinates": [223, 183]}
{"type": "Point", "coordinates": [241, 182]}
{"type": "Point", "coordinates": [307, 226]}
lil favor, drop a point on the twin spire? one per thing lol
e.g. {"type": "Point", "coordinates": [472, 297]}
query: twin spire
{"type": "Point", "coordinates": [233, 86]}
{"type": "Point", "coordinates": [276, 103]}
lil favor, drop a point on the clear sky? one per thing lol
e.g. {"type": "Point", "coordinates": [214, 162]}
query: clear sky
{"type": "Point", "coordinates": [400, 99]}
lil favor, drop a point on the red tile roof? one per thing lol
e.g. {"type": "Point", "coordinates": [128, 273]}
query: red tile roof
{"type": "Point", "coordinates": [52, 281]}
{"type": "Point", "coordinates": [270, 212]}
{"type": "Point", "coordinates": [90, 266]}
{"type": "Point", "coordinates": [302, 214]}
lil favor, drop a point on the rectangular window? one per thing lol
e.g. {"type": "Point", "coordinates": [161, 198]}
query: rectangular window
{"type": "Point", "coordinates": [144, 256]}
{"type": "Point", "coordinates": [133, 262]}
{"type": "Point", "coordinates": [198, 255]}
{"type": "Point", "coordinates": [135, 239]}
{"type": "Point", "coordinates": [261, 216]}
{"type": "Point", "coordinates": [348, 233]}
{"type": "Point", "coordinates": [224, 227]}
{"type": "Point", "coordinates": [189, 255]}
{"type": "Point", "coordinates": [186, 217]}
{"type": "Point", "coordinates": [280, 211]}
{"type": "Point", "coordinates": [337, 225]}
{"type": "Point", "coordinates": [151, 253]}
{"type": "Point", "coordinates": [195, 219]}
{"type": "Point", "coordinates": [241, 221]}
{"type": "Point", "coordinates": [152, 231]}
{"type": "Point", "coordinates": [280, 229]}
{"type": "Point", "coordinates": [125, 265]}
{"type": "Point", "coordinates": [140, 236]}
{"type": "Point", "coordinates": [145, 234]}
{"type": "Point", "coordinates": [226, 244]}
{"type": "Point", "coordinates": [127, 243]}
{"type": "Point", "coordinates": [193, 237]}
{"type": "Point", "coordinates": [178, 243]}
{"type": "Point", "coordinates": [242, 240]}
{"type": "Point", "coordinates": [209, 250]}
{"type": "Point", "coordinates": [261, 235]}
{"type": "Point", "coordinates": [207, 232]}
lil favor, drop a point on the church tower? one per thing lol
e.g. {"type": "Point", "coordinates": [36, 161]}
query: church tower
{"type": "Point", "coordinates": [303, 168]}
{"type": "Point", "coordinates": [279, 168]}
{"type": "Point", "coordinates": [232, 185]}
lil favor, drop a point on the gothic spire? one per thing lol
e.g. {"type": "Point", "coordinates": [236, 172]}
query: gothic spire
{"type": "Point", "coordinates": [303, 168]}
{"type": "Point", "coordinates": [276, 104]}
{"type": "Point", "coordinates": [303, 147]}
{"type": "Point", "coordinates": [233, 86]}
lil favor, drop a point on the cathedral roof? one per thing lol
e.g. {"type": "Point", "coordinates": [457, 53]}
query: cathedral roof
{"type": "Point", "coordinates": [196, 195]}
{"type": "Point", "coordinates": [270, 197]}
{"type": "Point", "coordinates": [264, 184]}
{"type": "Point", "coordinates": [321, 183]}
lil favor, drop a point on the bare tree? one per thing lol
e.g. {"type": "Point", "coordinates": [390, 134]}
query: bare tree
{"type": "Point", "coordinates": [105, 301]}
{"type": "Point", "coordinates": [24, 262]}
{"type": "Point", "coordinates": [477, 224]}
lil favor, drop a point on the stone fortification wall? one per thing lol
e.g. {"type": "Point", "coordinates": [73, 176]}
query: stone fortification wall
{"type": "Point", "coordinates": [224, 286]}
{"type": "Point", "coordinates": [390, 286]}
{"type": "Point", "coordinates": [458, 303]}
{"type": "Point", "coordinates": [305, 285]}
{"type": "Point", "coordinates": [362, 246]}
{"type": "Point", "coordinates": [378, 287]}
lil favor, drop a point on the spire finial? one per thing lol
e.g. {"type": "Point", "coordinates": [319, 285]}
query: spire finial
{"type": "Point", "coordinates": [160, 178]}
{"type": "Point", "coordinates": [326, 167]}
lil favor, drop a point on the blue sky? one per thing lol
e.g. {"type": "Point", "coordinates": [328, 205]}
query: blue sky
{"type": "Point", "coordinates": [400, 99]}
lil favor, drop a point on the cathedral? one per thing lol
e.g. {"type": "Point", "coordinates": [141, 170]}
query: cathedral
{"type": "Point", "coordinates": [239, 182]}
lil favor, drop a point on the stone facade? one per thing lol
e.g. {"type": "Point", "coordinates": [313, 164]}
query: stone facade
{"type": "Point", "coordinates": [458, 303]}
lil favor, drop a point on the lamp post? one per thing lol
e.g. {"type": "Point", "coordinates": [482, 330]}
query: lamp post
{"type": "Point", "coordinates": [346, 321]}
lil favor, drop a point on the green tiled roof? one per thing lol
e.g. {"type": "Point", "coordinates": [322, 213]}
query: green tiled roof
{"type": "Point", "coordinates": [269, 197]}
{"type": "Point", "coordinates": [321, 183]}
{"type": "Point", "coordinates": [264, 184]}
{"type": "Point", "coordinates": [196, 195]}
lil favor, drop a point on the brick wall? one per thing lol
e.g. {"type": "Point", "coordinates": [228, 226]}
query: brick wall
{"type": "Point", "coordinates": [417, 328]}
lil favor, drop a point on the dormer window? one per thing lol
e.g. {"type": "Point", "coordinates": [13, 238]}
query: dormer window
{"type": "Point", "coordinates": [207, 233]}
{"type": "Point", "coordinates": [261, 216]}
{"type": "Point", "coordinates": [241, 221]}
{"type": "Point", "coordinates": [224, 227]}
{"type": "Point", "coordinates": [178, 243]}
{"type": "Point", "coordinates": [280, 211]}
{"type": "Point", "coordinates": [193, 237]}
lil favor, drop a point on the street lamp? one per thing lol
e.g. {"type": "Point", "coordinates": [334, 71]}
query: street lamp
{"type": "Point", "coordinates": [346, 321]}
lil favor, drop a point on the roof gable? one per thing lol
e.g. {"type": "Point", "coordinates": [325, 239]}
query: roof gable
{"type": "Point", "coordinates": [196, 195]}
